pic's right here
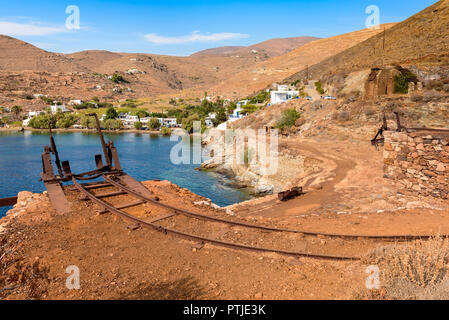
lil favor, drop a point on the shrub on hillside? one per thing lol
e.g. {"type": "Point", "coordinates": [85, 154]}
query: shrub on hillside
{"type": "Point", "coordinates": [319, 87]}
{"type": "Point", "coordinates": [401, 81]}
{"type": "Point", "coordinates": [116, 78]}
{"type": "Point", "coordinates": [417, 270]}
{"type": "Point", "coordinates": [288, 119]}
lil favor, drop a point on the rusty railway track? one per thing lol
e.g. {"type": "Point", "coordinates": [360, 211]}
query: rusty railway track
{"type": "Point", "coordinates": [152, 224]}
{"type": "Point", "coordinates": [110, 181]}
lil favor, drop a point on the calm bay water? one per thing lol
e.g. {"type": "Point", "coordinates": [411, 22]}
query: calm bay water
{"type": "Point", "coordinates": [143, 156]}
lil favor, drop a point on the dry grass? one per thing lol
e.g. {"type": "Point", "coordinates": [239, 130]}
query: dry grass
{"type": "Point", "coordinates": [417, 270]}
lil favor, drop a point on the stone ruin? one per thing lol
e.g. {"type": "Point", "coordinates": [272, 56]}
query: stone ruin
{"type": "Point", "coordinates": [418, 161]}
{"type": "Point", "coordinates": [380, 82]}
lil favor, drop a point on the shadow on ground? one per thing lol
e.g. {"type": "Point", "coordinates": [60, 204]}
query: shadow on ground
{"type": "Point", "coordinates": [184, 289]}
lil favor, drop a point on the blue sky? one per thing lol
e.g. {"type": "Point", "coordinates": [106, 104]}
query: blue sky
{"type": "Point", "coordinates": [183, 27]}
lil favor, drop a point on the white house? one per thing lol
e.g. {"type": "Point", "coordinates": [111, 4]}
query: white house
{"type": "Point", "coordinates": [35, 113]}
{"type": "Point", "coordinates": [31, 114]}
{"type": "Point", "coordinates": [130, 120]}
{"type": "Point", "coordinates": [168, 122]}
{"type": "Point", "coordinates": [26, 122]}
{"type": "Point", "coordinates": [55, 108]}
{"type": "Point", "coordinates": [282, 94]}
{"type": "Point", "coordinates": [75, 102]}
{"type": "Point", "coordinates": [238, 112]}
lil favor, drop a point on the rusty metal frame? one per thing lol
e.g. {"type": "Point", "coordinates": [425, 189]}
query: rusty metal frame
{"type": "Point", "coordinates": [6, 202]}
{"type": "Point", "coordinates": [379, 139]}
{"type": "Point", "coordinates": [53, 182]}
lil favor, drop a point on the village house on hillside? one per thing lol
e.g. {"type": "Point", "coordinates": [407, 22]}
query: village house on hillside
{"type": "Point", "coordinates": [55, 108]}
{"type": "Point", "coordinates": [282, 94]}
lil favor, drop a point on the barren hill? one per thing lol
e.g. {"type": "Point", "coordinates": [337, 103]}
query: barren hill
{"type": "Point", "coordinates": [219, 51]}
{"type": "Point", "coordinates": [423, 38]}
{"type": "Point", "coordinates": [278, 68]}
{"type": "Point", "coordinates": [262, 50]}
{"type": "Point", "coordinates": [17, 55]}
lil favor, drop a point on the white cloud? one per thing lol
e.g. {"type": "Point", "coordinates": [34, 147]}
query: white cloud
{"type": "Point", "coordinates": [195, 36]}
{"type": "Point", "coordinates": [23, 29]}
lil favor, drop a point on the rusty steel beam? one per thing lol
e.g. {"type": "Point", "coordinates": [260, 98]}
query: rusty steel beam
{"type": "Point", "coordinates": [125, 206]}
{"type": "Point", "coordinates": [103, 143]}
{"type": "Point", "coordinates": [6, 202]}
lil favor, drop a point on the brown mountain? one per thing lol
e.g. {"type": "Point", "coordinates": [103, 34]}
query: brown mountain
{"type": "Point", "coordinates": [16, 55]}
{"type": "Point", "coordinates": [262, 50]}
{"type": "Point", "coordinates": [423, 38]}
{"type": "Point", "coordinates": [276, 69]}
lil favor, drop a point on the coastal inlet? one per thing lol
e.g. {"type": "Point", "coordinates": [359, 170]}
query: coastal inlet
{"type": "Point", "coordinates": [144, 156]}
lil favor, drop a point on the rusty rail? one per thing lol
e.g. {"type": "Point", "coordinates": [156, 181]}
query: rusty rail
{"type": "Point", "coordinates": [265, 228]}
{"type": "Point", "coordinates": [189, 236]}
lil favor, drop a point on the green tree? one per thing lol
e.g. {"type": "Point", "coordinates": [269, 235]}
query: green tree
{"type": "Point", "coordinates": [154, 124]}
{"type": "Point", "coordinates": [112, 124]}
{"type": "Point", "coordinates": [232, 106]}
{"type": "Point", "coordinates": [116, 78]}
{"type": "Point", "coordinates": [288, 118]}
{"type": "Point", "coordinates": [142, 114]}
{"type": "Point", "coordinates": [138, 125]}
{"type": "Point", "coordinates": [166, 131]}
{"type": "Point", "coordinates": [187, 123]}
{"type": "Point", "coordinates": [17, 110]}
{"type": "Point", "coordinates": [43, 121]}
{"type": "Point", "coordinates": [88, 122]}
{"type": "Point", "coordinates": [66, 121]}
{"type": "Point", "coordinates": [220, 116]}
{"type": "Point", "coordinates": [111, 113]}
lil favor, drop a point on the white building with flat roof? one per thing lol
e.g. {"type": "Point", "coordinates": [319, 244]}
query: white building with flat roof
{"type": "Point", "coordinates": [282, 94]}
{"type": "Point", "coordinates": [55, 108]}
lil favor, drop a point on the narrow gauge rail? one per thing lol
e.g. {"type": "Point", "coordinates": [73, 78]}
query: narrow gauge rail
{"type": "Point", "coordinates": [109, 181]}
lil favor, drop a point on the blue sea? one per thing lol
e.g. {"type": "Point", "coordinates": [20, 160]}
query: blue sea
{"type": "Point", "coordinates": [143, 156]}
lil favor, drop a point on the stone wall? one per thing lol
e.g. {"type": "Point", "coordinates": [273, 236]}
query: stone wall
{"type": "Point", "coordinates": [418, 162]}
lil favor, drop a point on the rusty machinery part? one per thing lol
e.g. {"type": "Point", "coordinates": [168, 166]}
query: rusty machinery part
{"type": "Point", "coordinates": [290, 194]}
{"type": "Point", "coordinates": [188, 236]}
{"type": "Point", "coordinates": [379, 139]}
{"type": "Point", "coordinates": [6, 202]}
{"type": "Point", "coordinates": [253, 226]}
{"type": "Point", "coordinates": [53, 182]}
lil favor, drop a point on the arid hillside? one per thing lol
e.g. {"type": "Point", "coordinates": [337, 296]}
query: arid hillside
{"type": "Point", "coordinates": [85, 74]}
{"type": "Point", "coordinates": [276, 69]}
{"type": "Point", "coordinates": [262, 50]}
{"type": "Point", "coordinates": [16, 55]}
{"type": "Point", "coordinates": [421, 39]}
